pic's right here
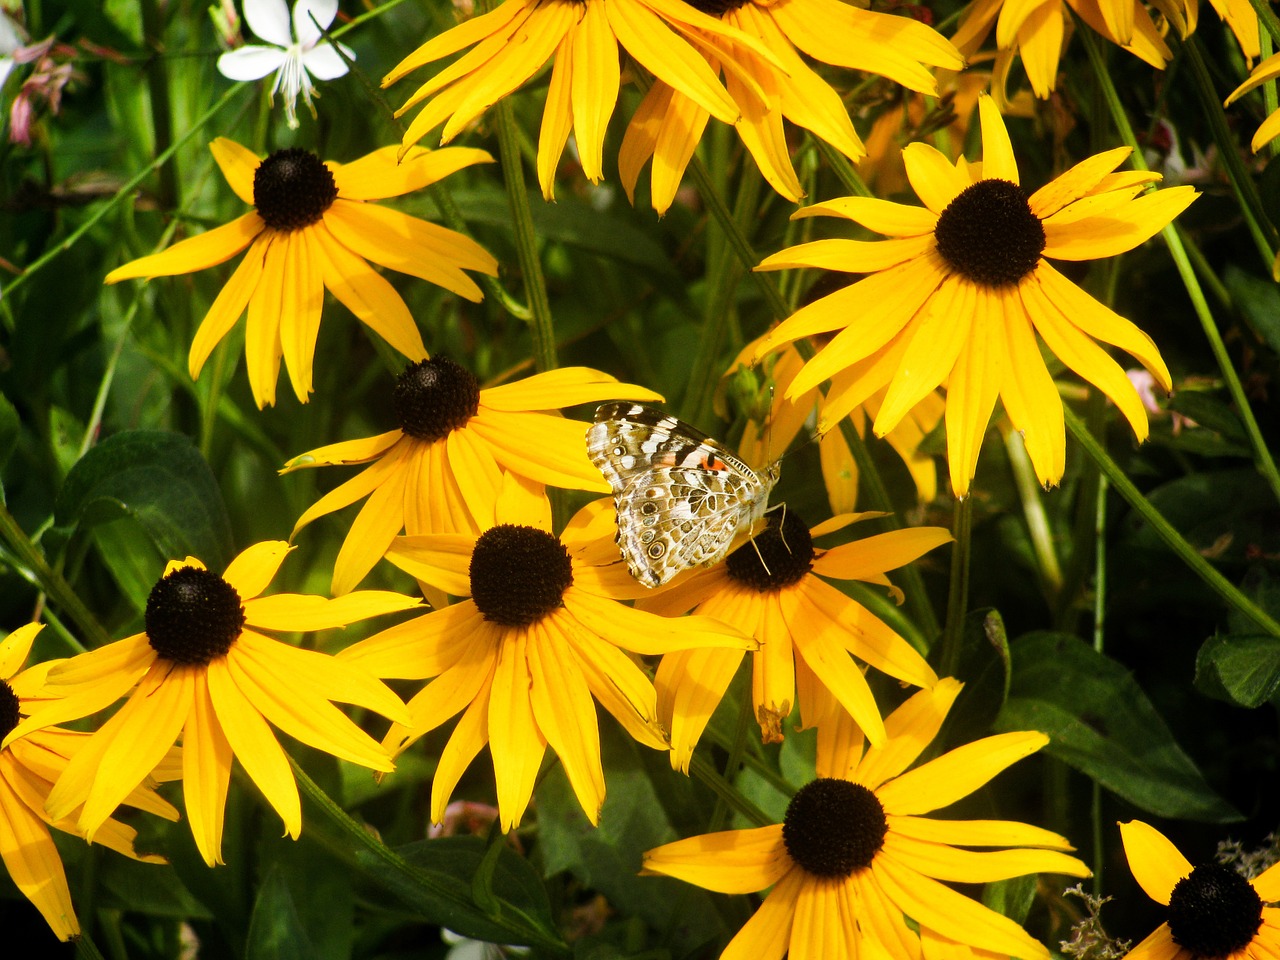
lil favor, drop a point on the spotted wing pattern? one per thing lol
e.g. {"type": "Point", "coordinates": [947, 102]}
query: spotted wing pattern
{"type": "Point", "coordinates": [681, 497]}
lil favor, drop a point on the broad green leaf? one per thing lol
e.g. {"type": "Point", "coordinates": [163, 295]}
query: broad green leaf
{"type": "Point", "coordinates": [1258, 298]}
{"type": "Point", "coordinates": [1239, 669]}
{"type": "Point", "coordinates": [276, 932]}
{"type": "Point", "coordinates": [637, 816]}
{"type": "Point", "coordinates": [157, 479]}
{"type": "Point", "coordinates": [451, 863]}
{"type": "Point", "coordinates": [1101, 722]}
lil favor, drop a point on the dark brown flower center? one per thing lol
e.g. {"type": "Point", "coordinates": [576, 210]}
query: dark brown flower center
{"type": "Point", "coordinates": [193, 616]}
{"type": "Point", "coordinates": [716, 8]}
{"type": "Point", "coordinates": [10, 709]}
{"type": "Point", "coordinates": [292, 189]}
{"type": "Point", "coordinates": [989, 235]}
{"type": "Point", "coordinates": [834, 827]}
{"type": "Point", "coordinates": [434, 397]}
{"type": "Point", "coordinates": [519, 574]}
{"type": "Point", "coordinates": [779, 556]}
{"type": "Point", "coordinates": [1214, 911]}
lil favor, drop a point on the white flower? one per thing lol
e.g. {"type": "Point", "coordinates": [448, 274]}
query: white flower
{"type": "Point", "coordinates": [10, 41]}
{"type": "Point", "coordinates": [294, 54]}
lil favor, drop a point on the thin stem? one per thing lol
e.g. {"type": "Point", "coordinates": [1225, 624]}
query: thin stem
{"type": "Point", "coordinates": [1262, 455]}
{"type": "Point", "coordinates": [725, 791]}
{"type": "Point", "coordinates": [1099, 635]}
{"type": "Point", "coordinates": [158, 88]}
{"type": "Point", "coordinates": [86, 948]}
{"type": "Point", "coordinates": [1164, 530]}
{"type": "Point", "coordinates": [1033, 512]}
{"type": "Point", "coordinates": [535, 284]}
{"type": "Point", "coordinates": [511, 919]}
{"type": "Point", "coordinates": [737, 750]}
{"type": "Point", "coordinates": [59, 591]}
{"type": "Point", "coordinates": [125, 191]}
{"type": "Point", "coordinates": [958, 592]}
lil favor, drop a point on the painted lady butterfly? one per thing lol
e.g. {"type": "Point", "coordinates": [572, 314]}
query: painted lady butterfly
{"type": "Point", "coordinates": [682, 498]}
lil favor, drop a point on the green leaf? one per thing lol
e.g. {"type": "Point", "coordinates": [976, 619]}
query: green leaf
{"type": "Point", "coordinates": [1243, 670]}
{"type": "Point", "coordinates": [10, 429]}
{"type": "Point", "coordinates": [276, 932]}
{"type": "Point", "coordinates": [1101, 722]}
{"type": "Point", "coordinates": [1209, 412]}
{"type": "Point", "coordinates": [1258, 299]}
{"type": "Point", "coordinates": [451, 863]}
{"type": "Point", "coordinates": [642, 800]}
{"type": "Point", "coordinates": [157, 479]}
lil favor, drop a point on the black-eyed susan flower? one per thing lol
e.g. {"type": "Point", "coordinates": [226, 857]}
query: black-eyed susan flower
{"type": "Point", "coordinates": [525, 658]}
{"type": "Point", "coordinates": [312, 229]}
{"type": "Point", "coordinates": [511, 43]}
{"type": "Point", "coordinates": [1036, 32]}
{"type": "Point", "coordinates": [1214, 912]}
{"type": "Point", "coordinates": [854, 856]}
{"type": "Point", "coordinates": [772, 587]}
{"type": "Point", "coordinates": [960, 292]}
{"type": "Point", "coordinates": [668, 123]}
{"type": "Point", "coordinates": [29, 765]}
{"type": "Point", "coordinates": [441, 471]}
{"type": "Point", "coordinates": [202, 671]}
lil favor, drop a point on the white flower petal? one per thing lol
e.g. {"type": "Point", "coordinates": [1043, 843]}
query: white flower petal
{"type": "Point", "coordinates": [323, 62]}
{"type": "Point", "coordinates": [252, 62]}
{"type": "Point", "coordinates": [308, 33]}
{"type": "Point", "coordinates": [269, 20]}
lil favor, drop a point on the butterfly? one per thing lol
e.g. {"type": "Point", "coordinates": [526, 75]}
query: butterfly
{"type": "Point", "coordinates": [681, 497]}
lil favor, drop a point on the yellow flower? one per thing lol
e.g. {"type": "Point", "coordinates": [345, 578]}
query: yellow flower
{"type": "Point", "coordinates": [442, 470]}
{"type": "Point", "coordinates": [525, 657]}
{"type": "Point", "coordinates": [806, 628]}
{"type": "Point", "coordinates": [854, 856]}
{"type": "Point", "coordinates": [668, 123]}
{"type": "Point", "coordinates": [202, 671]}
{"type": "Point", "coordinates": [964, 286]}
{"type": "Point", "coordinates": [28, 767]}
{"type": "Point", "coordinates": [1035, 31]}
{"type": "Point", "coordinates": [312, 230]}
{"type": "Point", "coordinates": [1214, 913]}
{"type": "Point", "coordinates": [510, 44]}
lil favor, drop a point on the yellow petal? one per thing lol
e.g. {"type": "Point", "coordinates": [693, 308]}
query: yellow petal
{"type": "Point", "coordinates": [238, 164]}
{"type": "Point", "coordinates": [1031, 400]}
{"type": "Point", "coordinates": [206, 773]}
{"type": "Point", "coordinates": [1076, 182]}
{"type": "Point", "coordinates": [767, 935]}
{"type": "Point", "coordinates": [360, 289]}
{"type": "Point", "coordinates": [374, 528]}
{"type": "Point", "coordinates": [882, 216]}
{"type": "Point", "coordinates": [595, 81]}
{"type": "Point", "coordinates": [467, 740]}
{"type": "Point", "coordinates": [731, 861]}
{"type": "Point", "coordinates": [463, 35]}
{"type": "Point", "coordinates": [998, 161]}
{"type": "Point", "coordinates": [34, 865]}
{"type": "Point", "coordinates": [516, 742]}
{"type": "Point", "coordinates": [15, 648]}
{"type": "Point", "coordinates": [292, 612]}
{"type": "Point", "coordinates": [935, 180]}
{"type": "Point", "coordinates": [957, 773]}
{"type": "Point", "coordinates": [423, 647]}
{"type": "Point", "coordinates": [974, 386]}
{"type": "Point", "coordinates": [380, 174]}
{"type": "Point", "coordinates": [849, 256]}
{"type": "Point", "coordinates": [227, 307]}
{"type": "Point", "coordinates": [546, 448]}
{"type": "Point", "coordinates": [910, 729]}
{"type": "Point", "coordinates": [977, 833]}
{"type": "Point", "coordinates": [1155, 862]}
{"type": "Point", "coordinates": [690, 685]}
{"type": "Point", "coordinates": [345, 452]}
{"type": "Point", "coordinates": [859, 559]}
{"type": "Point", "coordinates": [557, 118]}
{"type": "Point", "coordinates": [942, 862]}
{"type": "Point", "coordinates": [207, 249]}
{"type": "Point", "coordinates": [262, 351]}
{"type": "Point", "coordinates": [255, 744]}
{"type": "Point", "coordinates": [253, 570]}
{"type": "Point", "coordinates": [441, 559]}
{"type": "Point", "coordinates": [566, 714]}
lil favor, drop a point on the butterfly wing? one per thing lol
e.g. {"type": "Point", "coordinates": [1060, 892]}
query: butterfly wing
{"type": "Point", "coordinates": [674, 518]}
{"type": "Point", "coordinates": [681, 497]}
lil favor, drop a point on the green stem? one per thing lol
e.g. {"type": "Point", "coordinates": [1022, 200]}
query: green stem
{"type": "Point", "coordinates": [1033, 512]}
{"type": "Point", "coordinates": [725, 791]}
{"type": "Point", "coordinates": [1164, 530]}
{"type": "Point", "coordinates": [843, 168]}
{"type": "Point", "coordinates": [161, 109]}
{"type": "Point", "coordinates": [125, 191]}
{"type": "Point", "coordinates": [722, 288]}
{"type": "Point", "coordinates": [1262, 455]}
{"type": "Point", "coordinates": [86, 948]}
{"type": "Point", "coordinates": [1263, 233]}
{"type": "Point", "coordinates": [51, 582]}
{"type": "Point", "coordinates": [521, 930]}
{"type": "Point", "coordinates": [737, 240]}
{"type": "Point", "coordinates": [1099, 634]}
{"type": "Point", "coordinates": [737, 751]}
{"type": "Point", "coordinates": [535, 284]}
{"type": "Point", "coordinates": [958, 591]}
